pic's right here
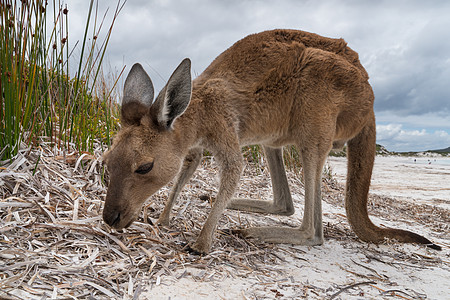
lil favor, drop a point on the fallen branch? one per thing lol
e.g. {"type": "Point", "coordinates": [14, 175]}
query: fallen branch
{"type": "Point", "coordinates": [350, 287]}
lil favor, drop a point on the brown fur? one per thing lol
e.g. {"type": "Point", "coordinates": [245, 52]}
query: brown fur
{"type": "Point", "coordinates": [274, 88]}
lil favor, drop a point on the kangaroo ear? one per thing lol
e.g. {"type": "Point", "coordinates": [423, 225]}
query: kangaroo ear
{"type": "Point", "coordinates": [174, 98]}
{"type": "Point", "coordinates": [137, 96]}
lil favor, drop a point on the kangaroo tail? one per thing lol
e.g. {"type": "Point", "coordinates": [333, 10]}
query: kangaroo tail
{"type": "Point", "coordinates": [361, 155]}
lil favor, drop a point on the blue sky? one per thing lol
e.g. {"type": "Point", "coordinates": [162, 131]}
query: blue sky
{"type": "Point", "coordinates": [404, 45]}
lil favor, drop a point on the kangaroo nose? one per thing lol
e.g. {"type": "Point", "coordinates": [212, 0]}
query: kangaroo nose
{"type": "Point", "coordinates": [111, 218]}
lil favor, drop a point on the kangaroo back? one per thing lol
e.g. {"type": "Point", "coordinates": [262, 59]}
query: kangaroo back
{"type": "Point", "coordinates": [250, 58]}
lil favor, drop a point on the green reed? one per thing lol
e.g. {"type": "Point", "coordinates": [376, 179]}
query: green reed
{"type": "Point", "coordinates": [40, 98]}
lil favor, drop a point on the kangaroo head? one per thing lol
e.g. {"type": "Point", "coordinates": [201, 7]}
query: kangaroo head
{"type": "Point", "coordinates": [146, 153]}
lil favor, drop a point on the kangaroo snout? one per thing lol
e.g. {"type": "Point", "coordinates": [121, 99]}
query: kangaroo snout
{"type": "Point", "coordinates": [111, 217]}
{"type": "Point", "coordinates": [114, 212]}
{"type": "Point", "coordinates": [117, 216]}
{"type": "Point", "coordinates": [117, 219]}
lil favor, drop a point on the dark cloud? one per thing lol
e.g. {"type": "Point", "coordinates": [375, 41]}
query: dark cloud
{"type": "Point", "coordinates": [411, 76]}
{"type": "Point", "coordinates": [404, 45]}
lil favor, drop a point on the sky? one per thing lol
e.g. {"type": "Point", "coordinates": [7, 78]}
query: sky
{"type": "Point", "coordinates": [404, 46]}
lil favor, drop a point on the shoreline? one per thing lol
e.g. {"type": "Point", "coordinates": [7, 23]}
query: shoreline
{"type": "Point", "coordinates": [423, 181]}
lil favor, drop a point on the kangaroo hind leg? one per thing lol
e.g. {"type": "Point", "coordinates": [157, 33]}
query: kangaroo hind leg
{"type": "Point", "coordinates": [311, 231]}
{"type": "Point", "coordinates": [282, 201]}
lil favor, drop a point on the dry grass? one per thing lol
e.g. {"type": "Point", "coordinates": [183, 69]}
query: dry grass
{"type": "Point", "coordinates": [53, 243]}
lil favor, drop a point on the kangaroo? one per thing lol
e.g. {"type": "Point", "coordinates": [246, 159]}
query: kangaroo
{"type": "Point", "coordinates": [275, 88]}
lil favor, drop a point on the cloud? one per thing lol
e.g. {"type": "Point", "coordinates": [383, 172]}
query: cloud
{"type": "Point", "coordinates": [395, 138]}
{"type": "Point", "coordinates": [404, 45]}
{"type": "Point", "coordinates": [428, 121]}
{"type": "Point", "coordinates": [410, 73]}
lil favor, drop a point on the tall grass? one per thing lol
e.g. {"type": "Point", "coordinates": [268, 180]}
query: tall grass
{"type": "Point", "coordinates": [41, 98]}
{"type": "Point", "coordinates": [291, 157]}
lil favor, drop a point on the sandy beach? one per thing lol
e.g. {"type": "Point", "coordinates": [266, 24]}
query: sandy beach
{"type": "Point", "coordinates": [424, 180]}
{"type": "Point", "coordinates": [315, 272]}
{"type": "Point", "coordinates": [54, 244]}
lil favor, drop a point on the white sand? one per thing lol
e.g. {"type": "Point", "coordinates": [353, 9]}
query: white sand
{"type": "Point", "coordinates": [417, 179]}
{"type": "Point", "coordinates": [60, 249]}
{"type": "Point", "coordinates": [319, 272]}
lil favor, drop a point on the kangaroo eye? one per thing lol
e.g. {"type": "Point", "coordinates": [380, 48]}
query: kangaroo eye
{"type": "Point", "coordinates": [144, 169]}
